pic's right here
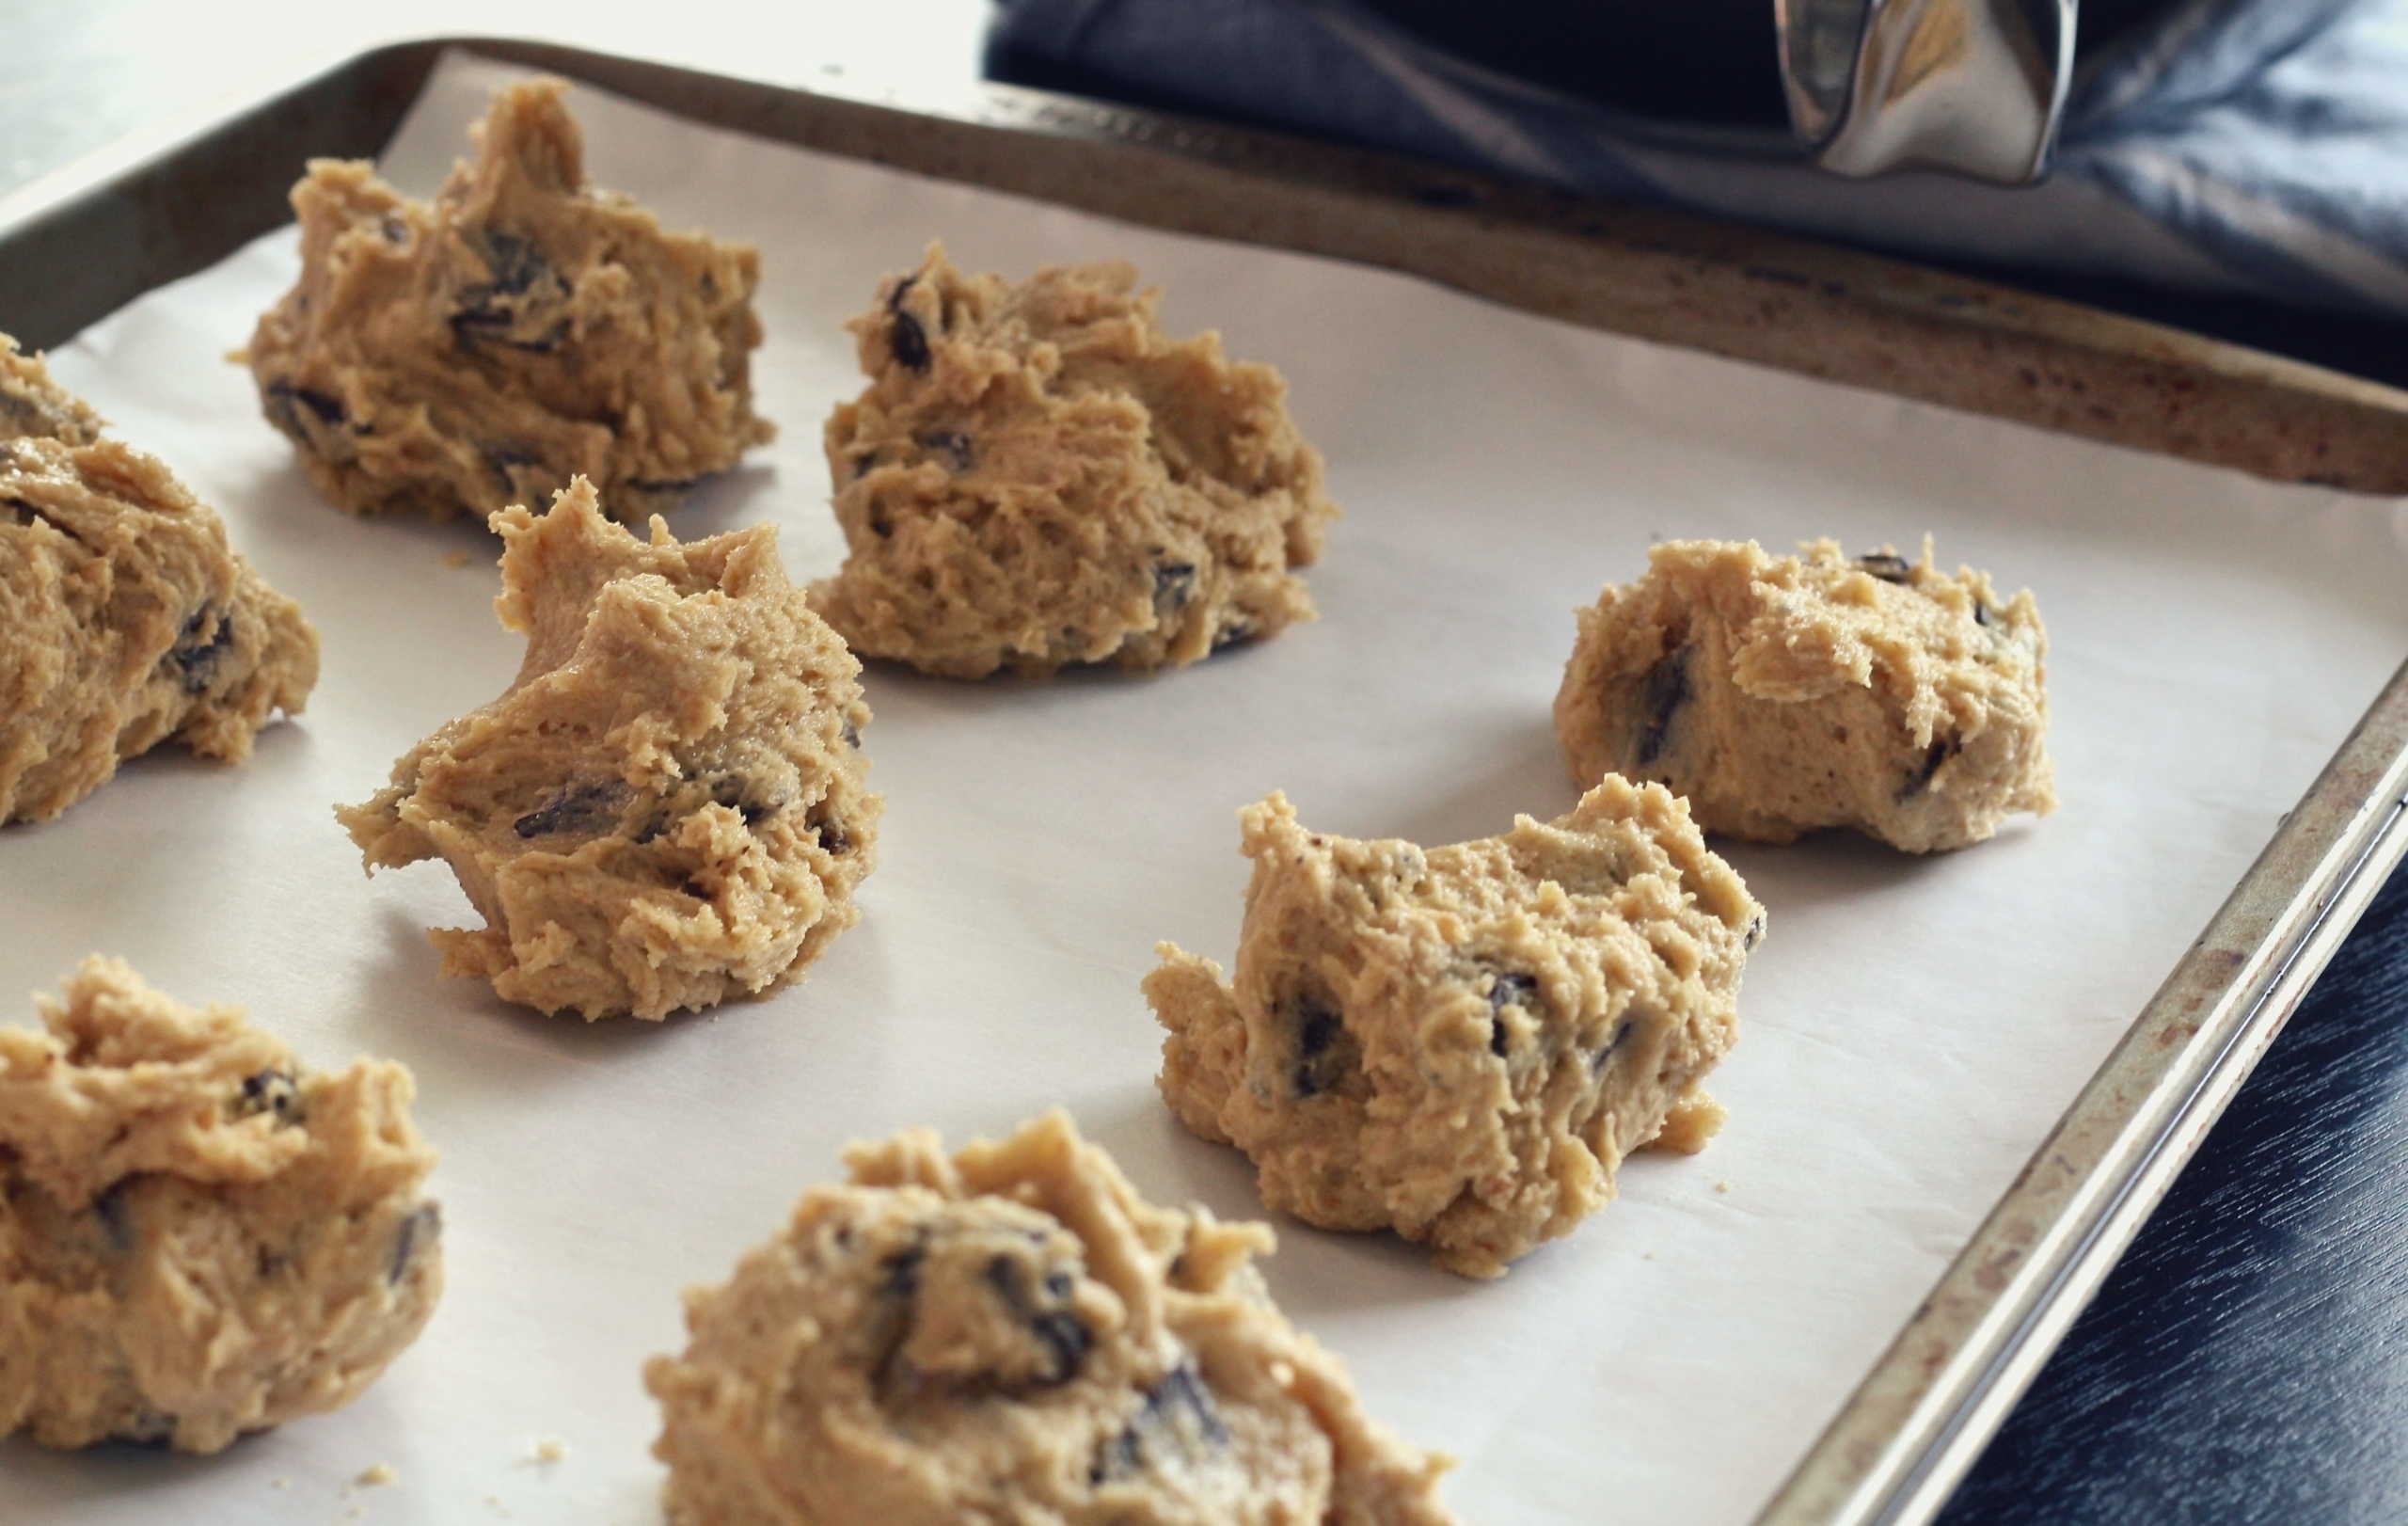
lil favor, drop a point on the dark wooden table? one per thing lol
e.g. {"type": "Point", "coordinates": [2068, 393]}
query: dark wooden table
{"type": "Point", "coordinates": [2248, 1361]}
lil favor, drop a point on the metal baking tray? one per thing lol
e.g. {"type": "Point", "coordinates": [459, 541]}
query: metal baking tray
{"type": "Point", "coordinates": [83, 242]}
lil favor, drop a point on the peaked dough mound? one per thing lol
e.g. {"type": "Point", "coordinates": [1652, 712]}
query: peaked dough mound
{"type": "Point", "coordinates": [34, 406]}
{"type": "Point", "coordinates": [520, 330]}
{"type": "Point", "coordinates": [666, 808]}
{"type": "Point", "coordinates": [1013, 1335]}
{"type": "Point", "coordinates": [1463, 1043]}
{"type": "Point", "coordinates": [197, 1238]}
{"type": "Point", "coordinates": [1786, 694]}
{"type": "Point", "coordinates": [1037, 477]}
{"type": "Point", "coordinates": [128, 620]}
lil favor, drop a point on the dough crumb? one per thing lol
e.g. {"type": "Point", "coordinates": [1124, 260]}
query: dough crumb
{"type": "Point", "coordinates": [550, 1449]}
{"type": "Point", "coordinates": [382, 1474]}
{"type": "Point", "coordinates": [1721, 1187]}
{"type": "Point", "coordinates": [455, 559]}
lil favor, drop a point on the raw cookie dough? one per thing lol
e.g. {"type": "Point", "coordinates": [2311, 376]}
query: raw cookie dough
{"type": "Point", "coordinates": [666, 808]}
{"type": "Point", "coordinates": [33, 406]}
{"type": "Point", "coordinates": [197, 1238]}
{"type": "Point", "coordinates": [1013, 1336]}
{"type": "Point", "coordinates": [1463, 1043]}
{"type": "Point", "coordinates": [126, 618]}
{"type": "Point", "coordinates": [1786, 694]}
{"type": "Point", "coordinates": [520, 330]}
{"type": "Point", "coordinates": [1036, 477]}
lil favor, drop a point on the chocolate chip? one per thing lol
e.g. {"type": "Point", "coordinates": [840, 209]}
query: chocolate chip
{"type": "Point", "coordinates": [833, 837]}
{"type": "Point", "coordinates": [863, 463]}
{"type": "Point", "coordinates": [1755, 932]}
{"type": "Point", "coordinates": [394, 230]}
{"type": "Point", "coordinates": [417, 1231]}
{"type": "Point", "coordinates": [1983, 614]}
{"type": "Point", "coordinates": [1938, 753]}
{"type": "Point", "coordinates": [1622, 1034]}
{"type": "Point", "coordinates": [1232, 633]}
{"type": "Point", "coordinates": [1065, 1337]}
{"type": "Point", "coordinates": [149, 1429]}
{"type": "Point", "coordinates": [902, 1269]}
{"type": "Point", "coordinates": [950, 443]}
{"type": "Point", "coordinates": [1318, 1030]}
{"type": "Point", "coordinates": [908, 340]}
{"type": "Point", "coordinates": [286, 401]}
{"type": "Point", "coordinates": [1173, 585]}
{"type": "Point", "coordinates": [269, 1091]}
{"type": "Point", "coordinates": [116, 1219]}
{"type": "Point", "coordinates": [581, 807]}
{"type": "Point", "coordinates": [1661, 694]}
{"type": "Point", "coordinates": [193, 661]}
{"type": "Point", "coordinates": [851, 733]}
{"type": "Point", "coordinates": [1887, 565]}
{"type": "Point", "coordinates": [1178, 1419]}
{"type": "Point", "coordinates": [504, 462]}
{"type": "Point", "coordinates": [1510, 990]}
{"type": "Point", "coordinates": [511, 309]}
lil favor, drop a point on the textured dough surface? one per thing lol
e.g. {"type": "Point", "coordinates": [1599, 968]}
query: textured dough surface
{"type": "Point", "coordinates": [1785, 694]}
{"type": "Point", "coordinates": [667, 808]}
{"type": "Point", "coordinates": [1012, 1335]}
{"type": "Point", "coordinates": [1037, 477]}
{"type": "Point", "coordinates": [197, 1238]}
{"type": "Point", "coordinates": [126, 618]}
{"type": "Point", "coordinates": [35, 407]}
{"type": "Point", "coordinates": [1462, 1043]}
{"type": "Point", "coordinates": [520, 330]}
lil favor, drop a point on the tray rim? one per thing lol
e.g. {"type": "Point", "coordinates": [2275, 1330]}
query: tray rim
{"type": "Point", "coordinates": [1898, 1443]}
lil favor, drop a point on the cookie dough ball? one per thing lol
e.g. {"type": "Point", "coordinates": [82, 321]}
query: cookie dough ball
{"type": "Point", "coordinates": [33, 406]}
{"type": "Point", "coordinates": [667, 808]}
{"type": "Point", "coordinates": [197, 1238]}
{"type": "Point", "coordinates": [1013, 1335]}
{"type": "Point", "coordinates": [520, 330]}
{"type": "Point", "coordinates": [1786, 694]}
{"type": "Point", "coordinates": [128, 620]}
{"type": "Point", "coordinates": [1036, 477]}
{"type": "Point", "coordinates": [1463, 1043]}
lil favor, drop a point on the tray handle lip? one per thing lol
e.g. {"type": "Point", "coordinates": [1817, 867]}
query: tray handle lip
{"type": "Point", "coordinates": [1921, 1416]}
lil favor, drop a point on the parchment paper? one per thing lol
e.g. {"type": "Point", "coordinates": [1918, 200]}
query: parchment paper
{"type": "Point", "coordinates": [1910, 1027]}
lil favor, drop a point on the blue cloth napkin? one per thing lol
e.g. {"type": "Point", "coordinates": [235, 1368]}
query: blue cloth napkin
{"type": "Point", "coordinates": [2254, 146]}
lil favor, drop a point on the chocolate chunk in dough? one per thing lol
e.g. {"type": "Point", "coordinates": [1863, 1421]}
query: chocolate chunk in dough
{"type": "Point", "coordinates": [126, 618]}
{"type": "Point", "coordinates": [520, 330]}
{"type": "Point", "coordinates": [1037, 477]}
{"type": "Point", "coordinates": [1012, 1334]}
{"type": "Point", "coordinates": [197, 1238]}
{"type": "Point", "coordinates": [667, 807]}
{"type": "Point", "coordinates": [1491, 1027]}
{"type": "Point", "coordinates": [1786, 694]}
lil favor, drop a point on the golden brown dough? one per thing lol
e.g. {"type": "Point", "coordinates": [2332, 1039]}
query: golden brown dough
{"type": "Point", "coordinates": [1785, 694]}
{"type": "Point", "coordinates": [1462, 1043]}
{"type": "Point", "coordinates": [520, 330]}
{"type": "Point", "coordinates": [1013, 1335]}
{"type": "Point", "coordinates": [197, 1238]}
{"type": "Point", "coordinates": [1036, 477]}
{"type": "Point", "coordinates": [127, 619]}
{"type": "Point", "coordinates": [667, 808]}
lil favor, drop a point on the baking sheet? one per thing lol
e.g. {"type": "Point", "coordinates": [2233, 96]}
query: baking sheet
{"type": "Point", "coordinates": [1910, 1027]}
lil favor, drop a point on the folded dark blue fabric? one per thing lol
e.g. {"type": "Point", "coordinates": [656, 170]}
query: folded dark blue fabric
{"type": "Point", "coordinates": [2237, 146]}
